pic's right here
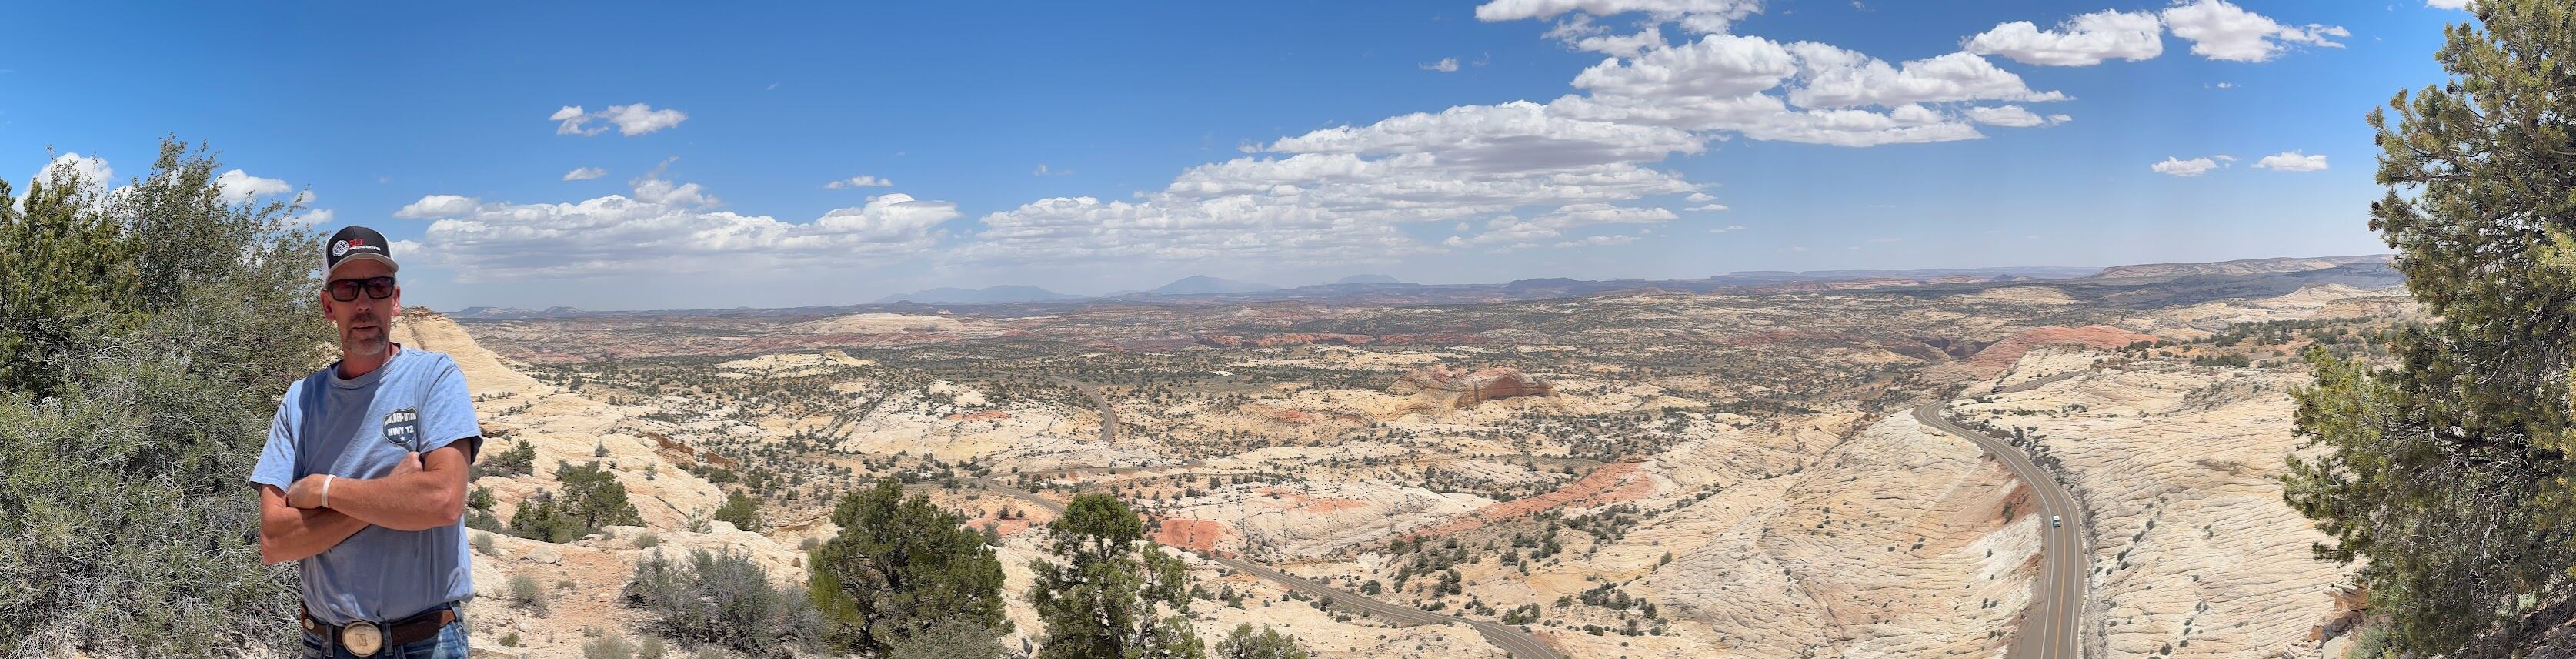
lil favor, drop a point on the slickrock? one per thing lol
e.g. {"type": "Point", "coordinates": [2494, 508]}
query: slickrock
{"type": "Point", "coordinates": [2192, 543]}
{"type": "Point", "coordinates": [1893, 545]}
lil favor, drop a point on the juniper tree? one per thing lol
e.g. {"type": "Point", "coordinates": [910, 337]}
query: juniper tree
{"type": "Point", "coordinates": [1116, 595]}
{"type": "Point", "coordinates": [145, 333]}
{"type": "Point", "coordinates": [902, 569]}
{"type": "Point", "coordinates": [2448, 470]}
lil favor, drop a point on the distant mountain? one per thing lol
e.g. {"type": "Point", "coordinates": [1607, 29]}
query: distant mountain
{"type": "Point", "coordinates": [2238, 267]}
{"type": "Point", "coordinates": [1206, 285]}
{"type": "Point", "coordinates": [1367, 279]}
{"type": "Point", "coordinates": [489, 312]}
{"type": "Point", "coordinates": [987, 295]}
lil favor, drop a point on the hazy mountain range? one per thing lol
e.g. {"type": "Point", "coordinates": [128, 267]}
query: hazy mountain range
{"type": "Point", "coordinates": [1383, 289]}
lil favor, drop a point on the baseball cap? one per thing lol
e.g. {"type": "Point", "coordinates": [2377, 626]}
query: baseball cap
{"type": "Point", "coordinates": [354, 243]}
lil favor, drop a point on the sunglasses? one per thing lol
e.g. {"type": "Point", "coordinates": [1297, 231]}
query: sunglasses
{"type": "Point", "coordinates": [346, 290]}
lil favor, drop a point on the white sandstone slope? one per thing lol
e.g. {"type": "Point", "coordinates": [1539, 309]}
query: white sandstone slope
{"type": "Point", "coordinates": [1892, 544]}
{"type": "Point", "coordinates": [2193, 546]}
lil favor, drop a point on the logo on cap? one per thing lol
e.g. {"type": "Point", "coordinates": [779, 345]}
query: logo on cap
{"type": "Point", "coordinates": [339, 249]}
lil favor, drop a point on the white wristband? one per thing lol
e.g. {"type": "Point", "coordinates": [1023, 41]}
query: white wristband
{"type": "Point", "coordinates": [326, 491]}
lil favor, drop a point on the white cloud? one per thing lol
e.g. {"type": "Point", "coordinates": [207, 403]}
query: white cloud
{"type": "Point", "coordinates": [584, 174]}
{"type": "Point", "coordinates": [1727, 228]}
{"type": "Point", "coordinates": [2447, 4]}
{"type": "Point", "coordinates": [569, 121]}
{"type": "Point", "coordinates": [1042, 170]}
{"type": "Point", "coordinates": [314, 218]}
{"type": "Point", "coordinates": [1697, 16]}
{"type": "Point", "coordinates": [1700, 197]}
{"type": "Point", "coordinates": [436, 206]}
{"type": "Point", "coordinates": [1838, 78]}
{"type": "Point", "coordinates": [652, 188]}
{"type": "Point", "coordinates": [1598, 241]}
{"type": "Point", "coordinates": [2013, 116]}
{"type": "Point", "coordinates": [2193, 167]}
{"type": "Point", "coordinates": [1445, 65]}
{"type": "Point", "coordinates": [1519, 174]}
{"type": "Point", "coordinates": [2082, 41]}
{"type": "Point", "coordinates": [2222, 31]}
{"type": "Point", "coordinates": [91, 169]}
{"type": "Point", "coordinates": [860, 181]}
{"type": "Point", "coordinates": [659, 232]}
{"type": "Point", "coordinates": [237, 186]}
{"type": "Point", "coordinates": [630, 120]}
{"type": "Point", "coordinates": [1515, 136]}
{"type": "Point", "coordinates": [2292, 161]}
{"type": "Point", "coordinates": [1709, 208]}
{"type": "Point", "coordinates": [1726, 82]}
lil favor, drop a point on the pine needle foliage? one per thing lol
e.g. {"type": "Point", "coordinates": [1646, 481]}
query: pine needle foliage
{"type": "Point", "coordinates": [146, 330]}
{"type": "Point", "coordinates": [2447, 470]}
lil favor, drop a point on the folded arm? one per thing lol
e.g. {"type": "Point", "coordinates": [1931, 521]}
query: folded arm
{"type": "Point", "coordinates": [288, 533]}
{"type": "Point", "coordinates": [427, 491]}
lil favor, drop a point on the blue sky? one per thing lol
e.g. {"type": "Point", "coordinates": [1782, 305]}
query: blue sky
{"type": "Point", "coordinates": [1089, 149]}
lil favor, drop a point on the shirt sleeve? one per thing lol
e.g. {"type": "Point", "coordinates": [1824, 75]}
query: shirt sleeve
{"type": "Point", "coordinates": [447, 413]}
{"type": "Point", "coordinates": [276, 464]}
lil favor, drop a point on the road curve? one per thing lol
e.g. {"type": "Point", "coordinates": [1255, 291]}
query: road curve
{"type": "Point", "coordinates": [1108, 415]}
{"type": "Point", "coordinates": [2049, 626]}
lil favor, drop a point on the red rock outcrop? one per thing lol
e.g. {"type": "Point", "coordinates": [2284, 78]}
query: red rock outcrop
{"type": "Point", "coordinates": [1463, 388]}
{"type": "Point", "coordinates": [1995, 358]}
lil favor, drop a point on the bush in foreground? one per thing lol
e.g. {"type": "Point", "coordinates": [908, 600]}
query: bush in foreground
{"type": "Point", "coordinates": [722, 599]}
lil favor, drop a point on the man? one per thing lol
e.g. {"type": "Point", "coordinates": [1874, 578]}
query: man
{"type": "Point", "coordinates": [363, 479]}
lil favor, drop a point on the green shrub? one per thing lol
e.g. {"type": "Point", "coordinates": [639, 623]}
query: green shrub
{"type": "Point", "coordinates": [137, 382]}
{"type": "Point", "coordinates": [591, 498]}
{"type": "Point", "coordinates": [483, 543]}
{"type": "Point", "coordinates": [952, 639]}
{"type": "Point", "coordinates": [652, 648]}
{"type": "Point", "coordinates": [611, 646]}
{"type": "Point", "coordinates": [723, 599]}
{"type": "Point", "coordinates": [648, 541]}
{"type": "Point", "coordinates": [519, 460]}
{"type": "Point", "coordinates": [539, 518]}
{"type": "Point", "coordinates": [1242, 643]}
{"type": "Point", "coordinates": [740, 509]}
{"type": "Point", "coordinates": [899, 567]}
{"type": "Point", "coordinates": [524, 591]}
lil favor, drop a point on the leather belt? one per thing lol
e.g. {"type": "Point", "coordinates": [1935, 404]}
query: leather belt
{"type": "Point", "coordinates": [365, 638]}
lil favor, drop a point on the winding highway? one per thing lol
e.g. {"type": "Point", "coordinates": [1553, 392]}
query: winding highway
{"type": "Point", "coordinates": [2049, 626]}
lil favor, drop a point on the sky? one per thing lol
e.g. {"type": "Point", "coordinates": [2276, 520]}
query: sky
{"type": "Point", "coordinates": [665, 156]}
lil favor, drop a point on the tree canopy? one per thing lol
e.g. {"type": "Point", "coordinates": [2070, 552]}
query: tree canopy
{"type": "Point", "coordinates": [1115, 596]}
{"type": "Point", "coordinates": [902, 570]}
{"type": "Point", "coordinates": [146, 330]}
{"type": "Point", "coordinates": [2447, 469]}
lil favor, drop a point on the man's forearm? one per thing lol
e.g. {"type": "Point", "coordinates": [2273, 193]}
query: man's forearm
{"type": "Point", "coordinates": [292, 534]}
{"type": "Point", "coordinates": [405, 502]}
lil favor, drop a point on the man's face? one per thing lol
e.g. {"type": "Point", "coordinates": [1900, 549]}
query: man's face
{"type": "Point", "coordinates": [364, 320]}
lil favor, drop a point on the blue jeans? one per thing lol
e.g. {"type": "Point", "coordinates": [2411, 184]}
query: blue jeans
{"type": "Point", "coordinates": [448, 644]}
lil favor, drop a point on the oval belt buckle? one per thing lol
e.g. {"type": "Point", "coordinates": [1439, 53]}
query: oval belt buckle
{"type": "Point", "coordinates": [362, 638]}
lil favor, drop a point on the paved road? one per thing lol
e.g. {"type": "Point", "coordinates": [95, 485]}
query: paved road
{"type": "Point", "coordinates": [1108, 415]}
{"type": "Point", "coordinates": [2057, 598]}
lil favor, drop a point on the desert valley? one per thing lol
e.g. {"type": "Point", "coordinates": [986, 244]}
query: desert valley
{"type": "Point", "coordinates": [1658, 469]}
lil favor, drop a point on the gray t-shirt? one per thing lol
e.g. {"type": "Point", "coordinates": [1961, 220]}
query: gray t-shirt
{"type": "Point", "coordinates": [360, 428]}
